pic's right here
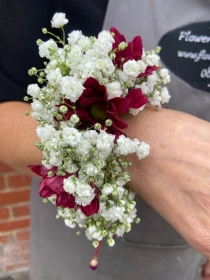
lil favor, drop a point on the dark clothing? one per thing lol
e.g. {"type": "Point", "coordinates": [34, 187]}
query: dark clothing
{"type": "Point", "coordinates": [21, 24]}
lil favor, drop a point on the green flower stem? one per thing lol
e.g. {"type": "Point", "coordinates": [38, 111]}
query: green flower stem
{"type": "Point", "coordinates": [64, 39]}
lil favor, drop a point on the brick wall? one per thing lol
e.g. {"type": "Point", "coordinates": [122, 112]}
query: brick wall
{"type": "Point", "coordinates": [14, 220]}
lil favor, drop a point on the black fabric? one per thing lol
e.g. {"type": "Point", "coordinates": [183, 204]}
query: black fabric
{"type": "Point", "coordinates": [185, 51]}
{"type": "Point", "coordinates": [21, 22]}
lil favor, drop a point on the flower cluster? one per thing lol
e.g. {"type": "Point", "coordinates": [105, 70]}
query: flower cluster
{"type": "Point", "coordinates": [87, 84]}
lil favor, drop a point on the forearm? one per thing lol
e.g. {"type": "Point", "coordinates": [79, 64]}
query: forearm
{"type": "Point", "coordinates": [17, 136]}
{"type": "Point", "coordinates": [175, 178]}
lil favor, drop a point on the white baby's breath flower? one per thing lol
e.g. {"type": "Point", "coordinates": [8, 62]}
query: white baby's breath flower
{"type": "Point", "coordinates": [69, 185]}
{"type": "Point", "coordinates": [48, 48]}
{"type": "Point", "coordinates": [142, 66]}
{"type": "Point", "coordinates": [91, 136]}
{"type": "Point", "coordinates": [131, 68]}
{"type": "Point", "coordinates": [84, 147]}
{"type": "Point", "coordinates": [106, 35]}
{"type": "Point", "coordinates": [107, 189]}
{"type": "Point", "coordinates": [102, 47]}
{"type": "Point", "coordinates": [100, 64]}
{"type": "Point", "coordinates": [45, 132]}
{"type": "Point", "coordinates": [124, 146]}
{"type": "Point", "coordinates": [33, 90]}
{"type": "Point", "coordinates": [136, 111]}
{"type": "Point", "coordinates": [152, 79]}
{"type": "Point", "coordinates": [55, 158]}
{"type": "Point", "coordinates": [122, 76]}
{"type": "Point", "coordinates": [120, 230]}
{"type": "Point", "coordinates": [84, 43]}
{"type": "Point", "coordinates": [72, 88]}
{"type": "Point", "coordinates": [142, 150]}
{"type": "Point", "coordinates": [75, 54]}
{"type": "Point", "coordinates": [59, 20]}
{"type": "Point", "coordinates": [90, 169]}
{"type": "Point", "coordinates": [145, 87]}
{"type": "Point", "coordinates": [108, 67]}
{"type": "Point", "coordinates": [71, 167]}
{"type": "Point", "coordinates": [37, 106]}
{"type": "Point", "coordinates": [71, 136]}
{"type": "Point", "coordinates": [90, 231]}
{"type": "Point", "coordinates": [70, 223]}
{"type": "Point", "coordinates": [74, 37]}
{"type": "Point", "coordinates": [54, 77]}
{"type": "Point", "coordinates": [105, 142]}
{"type": "Point", "coordinates": [84, 194]}
{"type": "Point", "coordinates": [164, 93]}
{"type": "Point", "coordinates": [113, 90]}
{"type": "Point", "coordinates": [52, 198]}
{"type": "Point", "coordinates": [152, 60]}
{"type": "Point", "coordinates": [163, 72]}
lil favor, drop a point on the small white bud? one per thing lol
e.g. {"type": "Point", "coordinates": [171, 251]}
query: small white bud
{"type": "Point", "coordinates": [74, 118]}
{"type": "Point", "coordinates": [95, 244]}
{"type": "Point", "coordinates": [110, 242]}
{"type": "Point", "coordinates": [63, 109]}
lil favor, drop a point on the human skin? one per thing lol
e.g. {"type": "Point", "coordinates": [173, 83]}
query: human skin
{"type": "Point", "coordinates": [174, 179]}
{"type": "Point", "coordinates": [17, 136]}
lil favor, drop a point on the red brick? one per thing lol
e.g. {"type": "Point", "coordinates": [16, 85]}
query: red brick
{"type": "Point", "coordinates": [5, 239]}
{"type": "Point", "coordinates": [19, 211]}
{"type": "Point", "coordinates": [4, 213]}
{"type": "Point", "coordinates": [5, 168]}
{"type": "Point", "coordinates": [17, 266]}
{"type": "Point", "coordinates": [14, 197]}
{"type": "Point", "coordinates": [23, 235]}
{"type": "Point", "coordinates": [19, 180]}
{"type": "Point", "coordinates": [17, 247]}
{"type": "Point", "coordinates": [2, 184]}
{"type": "Point", "coordinates": [11, 225]}
{"type": "Point", "coordinates": [24, 256]}
{"type": "Point", "coordinates": [13, 257]}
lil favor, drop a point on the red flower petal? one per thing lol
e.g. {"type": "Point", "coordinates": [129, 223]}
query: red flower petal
{"type": "Point", "coordinates": [118, 37]}
{"type": "Point", "coordinates": [45, 190]}
{"type": "Point", "coordinates": [92, 208]}
{"type": "Point", "coordinates": [91, 83]}
{"type": "Point", "coordinates": [66, 200]}
{"type": "Point", "coordinates": [121, 104]}
{"type": "Point", "coordinates": [87, 102]}
{"type": "Point", "coordinates": [56, 184]}
{"type": "Point", "coordinates": [149, 70]}
{"type": "Point", "coordinates": [137, 46]}
{"type": "Point", "coordinates": [40, 170]}
{"type": "Point", "coordinates": [118, 123]}
{"type": "Point", "coordinates": [136, 98]}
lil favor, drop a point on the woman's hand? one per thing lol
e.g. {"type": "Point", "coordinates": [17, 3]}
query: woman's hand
{"type": "Point", "coordinates": [175, 178]}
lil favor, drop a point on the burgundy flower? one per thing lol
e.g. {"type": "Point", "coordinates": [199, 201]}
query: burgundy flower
{"type": "Point", "coordinates": [49, 185]}
{"type": "Point", "coordinates": [66, 200]}
{"type": "Point", "coordinates": [54, 185]}
{"type": "Point", "coordinates": [149, 70]}
{"type": "Point", "coordinates": [94, 99]}
{"type": "Point", "coordinates": [84, 116]}
{"type": "Point", "coordinates": [133, 51]}
{"type": "Point", "coordinates": [46, 188]}
{"type": "Point", "coordinates": [41, 170]}
{"type": "Point", "coordinates": [93, 207]}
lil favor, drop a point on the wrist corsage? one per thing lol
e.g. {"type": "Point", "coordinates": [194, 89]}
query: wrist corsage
{"type": "Point", "coordinates": [86, 85]}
